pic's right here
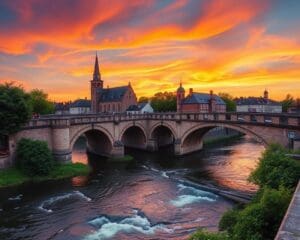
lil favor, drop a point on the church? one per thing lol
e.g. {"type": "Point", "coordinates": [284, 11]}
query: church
{"type": "Point", "coordinates": [109, 100]}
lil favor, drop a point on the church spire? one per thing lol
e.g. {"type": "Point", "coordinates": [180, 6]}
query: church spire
{"type": "Point", "coordinates": [96, 75]}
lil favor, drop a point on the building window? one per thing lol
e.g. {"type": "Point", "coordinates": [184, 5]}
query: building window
{"type": "Point", "coordinates": [108, 108]}
{"type": "Point", "coordinates": [104, 108]}
{"type": "Point", "coordinates": [113, 107]}
{"type": "Point", "coordinates": [119, 107]}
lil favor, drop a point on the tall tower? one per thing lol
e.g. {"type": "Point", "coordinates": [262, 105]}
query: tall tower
{"type": "Point", "coordinates": [180, 96]}
{"type": "Point", "coordinates": [96, 85]}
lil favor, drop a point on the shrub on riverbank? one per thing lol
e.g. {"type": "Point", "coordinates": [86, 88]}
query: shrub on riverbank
{"type": "Point", "coordinates": [34, 157]}
{"type": "Point", "coordinates": [202, 235]}
{"type": "Point", "coordinates": [276, 169]}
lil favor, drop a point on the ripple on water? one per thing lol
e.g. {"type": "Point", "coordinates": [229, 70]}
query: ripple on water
{"type": "Point", "coordinates": [109, 226]}
{"type": "Point", "coordinates": [191, 195]}
{"type": "Point", "coordinates": [45, 206]}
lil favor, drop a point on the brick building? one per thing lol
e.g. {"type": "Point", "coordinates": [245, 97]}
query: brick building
{"type": "Point", "coordinates": [116, 99]}
{"type": "Point", "coordinates": [199, 102]}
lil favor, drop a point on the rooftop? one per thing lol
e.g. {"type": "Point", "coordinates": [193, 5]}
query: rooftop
{"type": "Point", "coordinates": [202, 98]}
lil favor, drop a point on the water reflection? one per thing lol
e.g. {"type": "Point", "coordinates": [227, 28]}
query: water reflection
{"type": "Point", "coordinates": [149, 198]}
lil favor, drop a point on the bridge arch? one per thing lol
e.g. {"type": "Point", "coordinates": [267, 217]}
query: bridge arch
{"type": "Point", "coordinates": [99, 140]}
{"type": "Point", "coordinates": [163, 124]}
{"type": "Point", "coordinates": [192, 140]}
{"type": "Point", "coordinates": [134, 135]}
{"type": "Point", "coordinates": [162, 135]}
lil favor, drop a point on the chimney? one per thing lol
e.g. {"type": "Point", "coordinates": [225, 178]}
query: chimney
{"type": "Point", "coordinates": [211, 93]}
{"type": "Point", "coordinates": [191, 91]}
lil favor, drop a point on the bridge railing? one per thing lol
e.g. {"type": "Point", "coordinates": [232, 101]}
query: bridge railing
{"type": "Point", "coordinates": [290, 120]}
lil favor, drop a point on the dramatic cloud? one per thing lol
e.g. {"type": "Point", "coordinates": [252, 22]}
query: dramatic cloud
{"type": "Point", "coordinates": [241, 47]}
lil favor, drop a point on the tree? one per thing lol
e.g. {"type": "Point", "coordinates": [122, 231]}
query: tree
{"type": "Point", "coordinates": [276, 169]}
{"type": "Point", "coordinates": [40, 103]}
{"type": "Point", "coordinates": [15, 109]}
{"type": "Point", "coordinates": [287, 102]}
{"type": "Point", "coordinates": [34, 157]}
{"type": "Point", "coordinates": [164, 102]}
{"type": "Point", "coordinates": [143, 100]}
{"type": "Point", "coordinates": [230, 103]}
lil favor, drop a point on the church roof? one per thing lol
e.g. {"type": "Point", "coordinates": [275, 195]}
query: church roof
{"type": "Point", "coordinates": [202, 98]}
{"type": "Point", "coordinates": [112, 94]}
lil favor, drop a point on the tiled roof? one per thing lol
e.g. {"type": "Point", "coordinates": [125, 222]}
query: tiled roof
{"type": "Point", "coordinates": [81, 103]}
{"type": "Point", "coordinates": [256, 101]}
{"type": "Point", "coordinates": [202, 98]}
{"type": "Point", "coordinates": [112, 94]}
{"type": "Point", "coordinates": [136, 107]}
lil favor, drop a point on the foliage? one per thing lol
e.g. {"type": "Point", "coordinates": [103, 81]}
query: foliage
{"type": "Point", "coordinates": [143, 100]}
{"type": "Point", "coordinates": [276, 169]}
{"type": "Point", "coordinates": [164, 102]}
{"type": "Point", "coordinates": [202, 235]}
{"type": "Point", "coordinates": [228, 220]}
{"type": "Point", "coordinates": [261, 220]}
{"type": "Point", "coordinates": [34, 157]}
{"type": "Point", "coordinates": [287, 102]}
{"type": "Point", "coordinates": [15, 109]}
{"type": "Point", "coordinates": [229, 100]}
{"type": "Point", "coordinates": [13, 176]}
{"type": "Point", "coordinates": [40, 103]}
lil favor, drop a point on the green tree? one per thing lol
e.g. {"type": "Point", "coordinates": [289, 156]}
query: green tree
{"type": "Point", "coordinates": [15, 109]}
{"type": "Point", "coordinates": [40, 103]}
{"type": "Point", "coordinates": [164, 102]}
{"type": "Point", "coordinates": [34, 157]}
{"type": "Point", "coordinates": [276, 169]}
{"type": "Point", "coordinates": [143, 100]}
{"type": "Point", "coordinates": [287, 102]}
{"type": "Point", "coordinates": [229, 100]}
{"type": "Point", "coordinates": [202, 235]}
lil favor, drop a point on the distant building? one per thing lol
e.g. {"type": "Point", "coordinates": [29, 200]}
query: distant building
{"type": "Point", "coordinates": [258, 104]}
{"type": "Point", "coordinates": [199, 102]}
{"type": "Point", "coordinates": [80, 106]}
{"type": "Point", "coordinates": [62, 108]}
{"type": "Point", "coordinates": [116, 99]}
{"type": "Point", "coordinates": [140, 108]}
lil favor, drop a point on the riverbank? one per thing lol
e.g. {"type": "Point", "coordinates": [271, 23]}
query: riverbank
{"type": "Point", "coordinates": [14, 176]}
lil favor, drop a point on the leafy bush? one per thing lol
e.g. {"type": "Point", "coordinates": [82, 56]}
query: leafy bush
{"type": "Point", "coordinates": [260, 219]}
{"type": "Point", "coordinates": [34, 157]}
{"type": "Point", "coordinates": [276, 169]}
{"type": "Point", "coordinates": [228, 220]}
{"type": "Point", "coordinates": [201, 235]}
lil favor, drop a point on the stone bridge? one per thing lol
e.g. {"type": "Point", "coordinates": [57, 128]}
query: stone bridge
{"type": "Point", "coordinates": [108, 134]}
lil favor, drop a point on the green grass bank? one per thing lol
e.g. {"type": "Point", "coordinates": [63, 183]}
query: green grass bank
{"type": "Point", "coordinates": [14, 176]}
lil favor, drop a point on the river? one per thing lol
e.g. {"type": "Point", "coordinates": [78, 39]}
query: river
{"type": "Point", "coordinates": [150, 198]}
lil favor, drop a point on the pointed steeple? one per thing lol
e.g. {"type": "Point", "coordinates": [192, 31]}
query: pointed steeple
{"type": "Point", "coordinates": [96, 75]}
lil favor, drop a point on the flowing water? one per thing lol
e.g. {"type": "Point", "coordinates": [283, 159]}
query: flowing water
{"type": "Point", "coordinates": [150, 198]}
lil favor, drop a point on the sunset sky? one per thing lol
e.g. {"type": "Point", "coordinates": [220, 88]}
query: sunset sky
{"type": "Point", "coordinates": [235, 46]}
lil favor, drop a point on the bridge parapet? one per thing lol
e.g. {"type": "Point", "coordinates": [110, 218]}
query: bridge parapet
{"type": "Point", "coordinates": [279, 120]}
